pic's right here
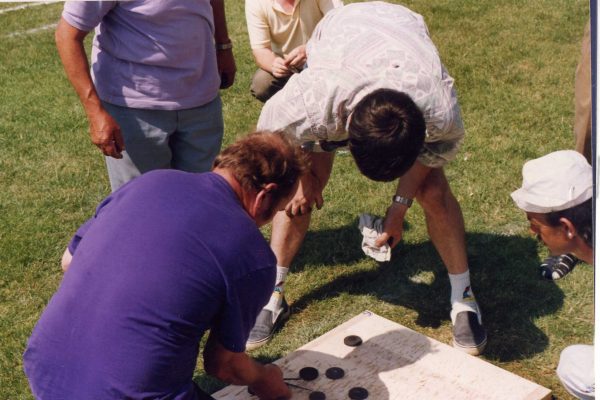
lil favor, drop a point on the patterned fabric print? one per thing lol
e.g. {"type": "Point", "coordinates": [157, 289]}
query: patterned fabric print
{"type": "Point", "coordinates": [355, 50]}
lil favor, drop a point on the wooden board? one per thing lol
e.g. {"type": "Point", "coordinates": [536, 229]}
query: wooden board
{"type": "Point", "coordinates": [395, 362]}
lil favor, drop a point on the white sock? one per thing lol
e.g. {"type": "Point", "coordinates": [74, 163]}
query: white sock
{"type": "Point", "coordinates": [277, 296]}
{"type": "Point", "coordinates": [461, 295]}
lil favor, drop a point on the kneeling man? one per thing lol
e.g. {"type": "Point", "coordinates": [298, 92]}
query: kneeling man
{"type": "Point", "coordinates": [165, 258]}
{"type": "Point", "coordinates": [557, 195]}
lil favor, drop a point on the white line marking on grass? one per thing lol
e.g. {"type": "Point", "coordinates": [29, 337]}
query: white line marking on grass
{"type": "Point", "coordinates": [21, 7]}
{"type": "Point", "coordinates": [30, 31]}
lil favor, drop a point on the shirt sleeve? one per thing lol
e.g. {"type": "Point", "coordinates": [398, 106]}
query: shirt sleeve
{"type": "Point", "coordinates": [82, 230]}
{"type": "Point", "coordinates": [327, 5]}
{"type": "Point", "coordinates": [86, 15]}
{"type": "Point", "coordinates": [245, 299]}
{"type": "Point", "coordinates": [445, 129]}
{"type": "Point", "coordinates": [258, 27]}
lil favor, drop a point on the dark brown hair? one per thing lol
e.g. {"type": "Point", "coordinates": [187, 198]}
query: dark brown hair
{"type": "Point", "coordinates": [262, 158]}
{"type": "Point", "coordinates": [581, 218]}
{"type": "Point", "coordinates": [386, 134]}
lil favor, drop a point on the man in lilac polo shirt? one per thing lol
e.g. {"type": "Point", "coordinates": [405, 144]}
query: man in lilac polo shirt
{"type": "Point", "coordinates": [165, 258]}
{"type": "Point", "coordinates": [152, 95]}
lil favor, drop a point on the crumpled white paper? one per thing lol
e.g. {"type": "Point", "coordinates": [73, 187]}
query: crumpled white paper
{"type": "Point", "coordinates": [371, 227]}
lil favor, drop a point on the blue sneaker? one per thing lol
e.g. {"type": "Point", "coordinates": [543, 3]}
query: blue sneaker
{"type": "Point", "coordinates": [557, 267]}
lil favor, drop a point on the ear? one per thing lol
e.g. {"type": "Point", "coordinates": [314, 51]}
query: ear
{"type": "Point", "coordinates": [263, 200]}
{"type": "Point", "coordinates": [568, 228]}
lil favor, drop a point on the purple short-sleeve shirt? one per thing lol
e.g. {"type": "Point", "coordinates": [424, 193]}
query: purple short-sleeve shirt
{"type": "Point", "coordinates": [168, 256]}
{"type": "Point", "coordinates": [150, 54]}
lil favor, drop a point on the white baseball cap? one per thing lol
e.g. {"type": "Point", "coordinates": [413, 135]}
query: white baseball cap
{"type": "Point", "coordinates": [554, 182]}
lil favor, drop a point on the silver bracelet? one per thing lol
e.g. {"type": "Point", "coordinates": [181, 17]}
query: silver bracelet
{"type": "Point", "coordinates": [402, 200]}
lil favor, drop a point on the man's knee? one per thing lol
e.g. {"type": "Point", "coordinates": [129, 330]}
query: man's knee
{"type": "Point", "coordinates": [264, 85]}
{"type": "Point", "coordinates": [434, 193]}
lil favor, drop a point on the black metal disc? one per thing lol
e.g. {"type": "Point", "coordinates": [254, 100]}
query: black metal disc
{"type": "Point", "coordinates": [250, 391]}
{"type": "Point", "coordinates": [317, 396]}
{"type": "Point", "coordinates": [358, 393]}
{"type": "Point", "coordinates": [309, 373]}
{"type": "Point", "coordinates": [352, 341]}
{"type": "Point", "coordinates": [334, 373]}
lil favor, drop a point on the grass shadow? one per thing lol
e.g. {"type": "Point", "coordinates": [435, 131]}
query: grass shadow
{"type": "Point", "coordinates": [332, 246]}
{"type": "Point", "coordinates": [503, 273]}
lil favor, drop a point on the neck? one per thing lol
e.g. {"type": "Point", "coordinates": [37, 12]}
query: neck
{"type": "Point", "coordinates": [584, 252]}
{"type": "Point", "coordinates": [246, 199]}
{"type": "Point", "coordinates": [287, 5]}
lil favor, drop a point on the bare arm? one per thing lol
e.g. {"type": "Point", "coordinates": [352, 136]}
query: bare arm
{"type": "Point", "coordinates": [408, 186]}
{"type": "Point", "coordinates": [225, 60]}
{"type": "Point", "coordinates": [239, 369]}
{"type": "Point", "coordinates": [105, 133]}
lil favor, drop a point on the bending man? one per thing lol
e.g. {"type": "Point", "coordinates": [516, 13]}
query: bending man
{"type": "Point", "coordinates": [375, 82]}
{"type": "Point", "coordinates": [165, 258]}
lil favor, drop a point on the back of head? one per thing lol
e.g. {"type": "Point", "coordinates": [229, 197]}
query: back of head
{"type": "Point", "coordinates": [386, 133]}
{"type": "Point", "coordinates": [262, 158]}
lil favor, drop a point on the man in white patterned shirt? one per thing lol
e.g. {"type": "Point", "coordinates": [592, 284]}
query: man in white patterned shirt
{"type": "Point", "coordinates": [375, 83]}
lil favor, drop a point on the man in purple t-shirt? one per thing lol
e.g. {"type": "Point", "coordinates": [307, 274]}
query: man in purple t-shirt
{"type": "Point", "coordinates": [165, 258]}
{"type": "Point", "coordinates": [152, 95]}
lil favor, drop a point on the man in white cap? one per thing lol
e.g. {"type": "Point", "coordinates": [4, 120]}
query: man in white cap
{"type": "Point", "coordinates": [557, 197]}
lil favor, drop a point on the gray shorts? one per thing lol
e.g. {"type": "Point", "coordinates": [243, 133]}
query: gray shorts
{"type": "Point", "coordinates": [187, 140]}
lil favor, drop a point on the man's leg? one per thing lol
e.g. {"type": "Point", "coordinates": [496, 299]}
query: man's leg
{"type": "Point", "coordinates": [582, 127]}
{"type": "Point", "coordinates": [145, 133]}
{"type": "Point", "coordinates": [264, 85]}
{"type": "Point", "coordinates": [286, 238]}
{"type": "Point", "coordinates": [446, 229]}
{"type": "Point", "coordinates": [287, 235]}
{"type": "Point", "coordinates": [197, 140]}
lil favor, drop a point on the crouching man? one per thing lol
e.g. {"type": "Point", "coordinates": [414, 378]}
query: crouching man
{"type": "Point", "coordinates": [557, 196]}
{"type": "Point", "coordinates": [165, 258]}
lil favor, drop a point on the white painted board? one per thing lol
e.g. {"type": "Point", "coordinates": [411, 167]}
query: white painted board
{"type": "Point", "coordinates": [395, 362]}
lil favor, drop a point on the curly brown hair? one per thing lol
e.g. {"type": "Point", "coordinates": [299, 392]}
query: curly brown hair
{"type": "Point", "coordinates": [264, 157]}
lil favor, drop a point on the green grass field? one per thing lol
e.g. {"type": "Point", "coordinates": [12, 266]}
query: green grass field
{"type": "Point", "coordinates": [513, 62]}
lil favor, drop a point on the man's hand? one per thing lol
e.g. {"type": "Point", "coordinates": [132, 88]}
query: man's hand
{"type": "Point", "coordinates": [105, 133]}
{"type": "Point", "coordinates": [296, 59]}
{"type": "Point", "coordinates": [66, 259]}
{"type": "Point", "coordinates": [309, 192]}
{"type": "Point", "coordinates": [226, 67]}
{"type": "Point", "coordinates": [240, 369]}
{"type": "Point", "coordinates": [279, 68]}
{"type": "Point", "coordinates": [271, 385]}
{"type": "Point", "coordinates": [392, 225]}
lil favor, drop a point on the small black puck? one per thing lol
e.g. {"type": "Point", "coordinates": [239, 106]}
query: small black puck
{"type": "Point", "coordinates": [334, 373]}
{"type": "Point", "coordinates": [358, 393]}
{"type": "Point", "coordinates": [309, 373]}
{"type": "Point", "coordinates": [317, 396]}
{"type": "Point", "coordinates": [352, 341]}
{"type": "Point", "coordinates": [250, 391]}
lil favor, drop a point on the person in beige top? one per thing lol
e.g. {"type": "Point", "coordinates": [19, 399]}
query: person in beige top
{"type": "Point", "coordinates": [279, 30]}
